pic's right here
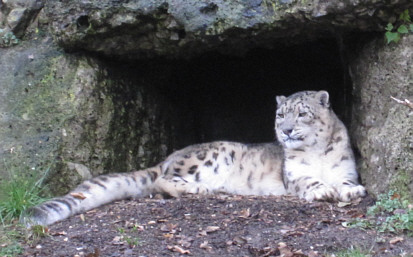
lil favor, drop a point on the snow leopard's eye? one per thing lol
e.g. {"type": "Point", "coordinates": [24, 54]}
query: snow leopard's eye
{"type": "Point", "coordinates": [280, 115]}
{"type": "Point", "coordinates": [302, 114]}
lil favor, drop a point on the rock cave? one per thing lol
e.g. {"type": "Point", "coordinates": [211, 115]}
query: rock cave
{"type": "Point", "coordinates": [118, 85]}
{"type": "Point", "coordinates": [95, 87]}
{"type": "Point", "coordinates": [228, 97]}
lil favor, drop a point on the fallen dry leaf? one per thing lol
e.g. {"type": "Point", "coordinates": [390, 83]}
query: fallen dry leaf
{"type": "Point", "coordinates": [60, 233]}
{"type": "Point", "coordinates": [140, 227]}
{"type": "Point", "coordinates": [205, 245]}
{"type": "Point", "coordinates": [395, 240]}
{"type": "Point", "coordinates": [245, 213]}
{"type": "Point", "coordinates": [178, 249]}
{"type": "Point", "coordinates": [79, 195]}
{"type": "Point", "coordinates": [202, 233]}
{"type": "Point", "coordinates": [395, 196]}
{"type": "Point", "coordinates": [269, 251]}
{"type": "Point", "coordinates": [284, 250]}
{"type": "Point", "coordinates": [210, 229]}
{"type": "Point", "coordinates": [357, 215]}
{"type": "Point", "coordinates": [298, 253]}
{"type": "Point", "coordinates": [169, 228]}
{"type": "Point", "coordinates": [239, 240]}
{"type": "Point", "coordinates": [116, 239]}
{"type": "Point", "coordinates": [168, 235]}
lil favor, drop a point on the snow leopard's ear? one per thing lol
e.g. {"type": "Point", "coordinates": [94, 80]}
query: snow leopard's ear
{"type": "Point", "coordinates": [280, 99]}
{"type": "Point", "coordinates": [323, 98]}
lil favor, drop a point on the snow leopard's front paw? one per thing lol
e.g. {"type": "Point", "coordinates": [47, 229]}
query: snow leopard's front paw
{"type": "Point", "coordinates": [195, 188]}
{"type": "Point", "coordinates": [350, 193]}
{"type": "Point", "coordinates": [321, 193]}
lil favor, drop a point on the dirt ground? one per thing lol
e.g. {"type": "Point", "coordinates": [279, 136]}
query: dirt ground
{"type": "Point", "coordinates": [218, 225]}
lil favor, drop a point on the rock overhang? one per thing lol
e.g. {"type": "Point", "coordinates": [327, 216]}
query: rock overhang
{"type": "Point", "coordinates": [184, 28]}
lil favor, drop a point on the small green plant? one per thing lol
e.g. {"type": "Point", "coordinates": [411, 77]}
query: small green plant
{"type": "Point", "coordinates": [20, 195]}
{"type": "Point", "coordinates": [12, 236]}
{"type": "Point", "coordinates": [7, 38]}
{"type": "Point", "coordinates": [387, 203]}
{"type": "Point", "coordinates": [20, 189]}
{"type": "Point", "coordinates": [12, 249]}
{"type": "Point", "coordinates": [389, 214]}
{"type": "Point", "coordinates": [9, 238]}
{"type": "Point", "coordinates": [353, 252]}
{"type": "Point", "coordinates": [403, 26]}
{"type": "Point", "coordinates": [35, 233]}
{"type": "Point", "coordinates": [19, 192]}
{"type": "Point", "coordinates": [131, 240]}
{"type": "Point", "coordinates": [38, 231]}
{"type": "Point", "coordinates": [394, 214]}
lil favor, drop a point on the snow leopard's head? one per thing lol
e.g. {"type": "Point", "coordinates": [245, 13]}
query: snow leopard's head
{"type": "Point", "coordinates": [302, 119]}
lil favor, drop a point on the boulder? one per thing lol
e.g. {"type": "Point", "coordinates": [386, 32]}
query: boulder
{"type": "Point", "coordinates": [382, 129]}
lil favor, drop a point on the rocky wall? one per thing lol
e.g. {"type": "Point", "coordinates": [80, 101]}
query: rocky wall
{"type": "Point", "coordinates": [382, 129]}
{"type": "Point", "coordinates": [65, 115]}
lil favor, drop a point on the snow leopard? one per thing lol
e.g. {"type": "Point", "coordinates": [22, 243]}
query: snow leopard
{"type": "Point", "coordinates": [312, 158]}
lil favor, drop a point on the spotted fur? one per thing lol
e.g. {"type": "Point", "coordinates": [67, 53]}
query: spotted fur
{"type": "Point", "coordinates": [312, 159]}
{"type": "Point", "coordinates": [318, 160]}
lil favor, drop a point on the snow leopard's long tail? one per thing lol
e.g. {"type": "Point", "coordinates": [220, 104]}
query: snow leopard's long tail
{"type": "Point", "coordinates": [91, 194]}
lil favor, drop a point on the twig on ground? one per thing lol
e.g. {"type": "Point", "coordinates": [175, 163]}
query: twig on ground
{"type": "Point", "coordinates": [406, 102]}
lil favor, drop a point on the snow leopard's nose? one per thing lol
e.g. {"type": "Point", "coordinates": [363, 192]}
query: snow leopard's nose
{"type": "Point", "coordinates": [287, 131]}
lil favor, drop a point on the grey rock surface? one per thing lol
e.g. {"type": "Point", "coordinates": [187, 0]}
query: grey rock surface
{"type": "Point", "coordinates": [184, 28]}
{"type": "Point", "coordinates": [59, 109]}
{"type": "Point", "coordinates": [382, 129]}
{"type": "Point", "coordinates": [16, 16]}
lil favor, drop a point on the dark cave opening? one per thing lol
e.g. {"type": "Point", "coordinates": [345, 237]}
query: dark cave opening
{"type": "Point", "coordinates": [225, 97]}
{"type": "Point", "coordinates": [233, 98]}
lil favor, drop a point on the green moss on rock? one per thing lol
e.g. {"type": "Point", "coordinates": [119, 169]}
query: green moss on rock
{"type": "Point", "coordinates": [66, 115]}
{"type": "Point", "coordinates": [400, 184]}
